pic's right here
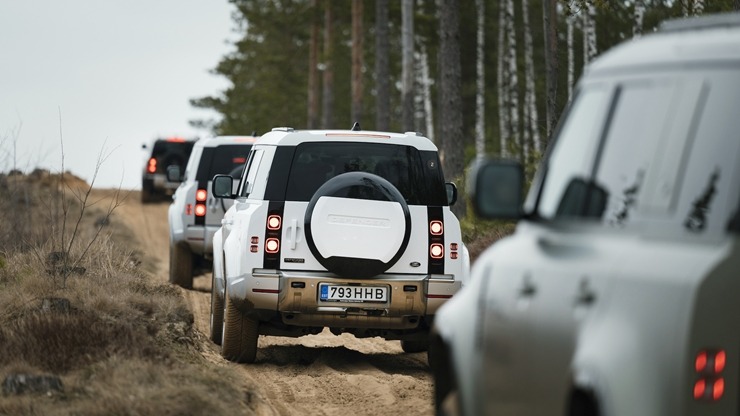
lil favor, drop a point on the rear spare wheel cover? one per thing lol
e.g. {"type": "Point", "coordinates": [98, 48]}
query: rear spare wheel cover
{"type": "Point", "coordinates": [357, 225]}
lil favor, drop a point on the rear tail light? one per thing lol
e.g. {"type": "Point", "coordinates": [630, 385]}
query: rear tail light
{"type": "Point", "coordinates": [272, 245]}
{"type": "Point", "coordinates": [436, 251]}
{"type": "Point", "coordinates": [274, 222]}
{"type": "Point", "coordinates": [254, 246]}
{"type": "Point", "coordinates": [201, 195]}
{"type": "Point", "coordinates": [152, 165]}
{"type": "Point", "coordinates": [436, 228]}
{"type": "Point", "coordinates": [709, 365]}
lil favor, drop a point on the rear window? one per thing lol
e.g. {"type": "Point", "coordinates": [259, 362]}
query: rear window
{"type": "Point", "coordinates": [225, 159]}
{"type": "Point", "coordinates": [170, 153]}
{"type": "Point", "coordinates": [416, 174]}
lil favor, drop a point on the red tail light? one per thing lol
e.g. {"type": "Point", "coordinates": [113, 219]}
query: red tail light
{"type": "Point", "coordinates": [436, 251]}
{"type": "Point", "coordinates": [200, 210]}
{"type": "Point", "coordinates": [152, 165]}
{"type": "Point", "coordinates": [201, 195]}
{"type": "Point", "coordinates": [709, 365]}
{"type": "Point", "coordinates": [274, 222]}
{"type": "Point", "coordinates": [272, 245]}
{"type": "Point", "coordinates": [436, 228]}
{"type": "Point", "coordinates": [253, 247]}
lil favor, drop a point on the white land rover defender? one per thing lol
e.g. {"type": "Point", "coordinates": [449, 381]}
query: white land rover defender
{"type": "Point", "coordinates": [619, 292]}
{"type": "Point", "coordinates": [195, 214]}
{"type": "Point", "coordinates": [345, 229]}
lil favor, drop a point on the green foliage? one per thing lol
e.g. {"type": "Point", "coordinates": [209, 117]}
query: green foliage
{"type": "Point", "coordinates": [268, 68]}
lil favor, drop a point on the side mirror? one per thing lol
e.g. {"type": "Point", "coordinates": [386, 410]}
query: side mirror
{"type": "Point", "coordinates": [451, 193]}
{"type": "Point", "coordinates": [173, 173]}
{"type": "Point", "coordinates": [222, 186]}
{"type": "Point", "coordinates": [496, 189]}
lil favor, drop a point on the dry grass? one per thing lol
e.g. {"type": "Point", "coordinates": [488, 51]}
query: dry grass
{"type": "Point", "coordinates": [125, 345]}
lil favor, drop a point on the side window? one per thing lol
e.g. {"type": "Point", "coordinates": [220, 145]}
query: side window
{"type": "Point", "coordinates": [192, 165]}
{"type": "Point", "coordinates": [636, 128]}
{"type": "Point", "coordinates": [710, 188]}
{"type": "Point", "coordinates": [253, 164]}
{"type": "Point", "coordinates": [570, 163]}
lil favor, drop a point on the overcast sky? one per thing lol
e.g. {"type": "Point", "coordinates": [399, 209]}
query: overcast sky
{"type": "Point", "coordinates": [119, 72]}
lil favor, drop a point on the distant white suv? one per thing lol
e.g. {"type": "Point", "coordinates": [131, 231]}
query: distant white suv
{"type": "Point", "coordinates": [619, 292]}
{"type": "Point", "coordinates": [195, 214]}
{"type": "Point", "coordinates": [345, 229]}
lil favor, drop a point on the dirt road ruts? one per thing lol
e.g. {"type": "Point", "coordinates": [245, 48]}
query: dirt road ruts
{"type": "Point", "coordinates": [313, 375]}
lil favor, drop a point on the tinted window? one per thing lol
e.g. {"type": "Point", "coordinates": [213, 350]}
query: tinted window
{"type": "Point", "coordinates": [170, 153]}
{"type": "Point", "coordinates": [221, 160]}
{"type": "Point", "coordinates": [416, 174]}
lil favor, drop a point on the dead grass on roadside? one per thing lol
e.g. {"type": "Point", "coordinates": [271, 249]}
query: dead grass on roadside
{"type": "Point", "coordinates": [119, 342]}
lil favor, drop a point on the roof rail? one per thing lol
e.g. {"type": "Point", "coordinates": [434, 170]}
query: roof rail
{"type": "Point", "coordinates": [285, 129]}
{"type": "Point", "coordinates": [712, 21]}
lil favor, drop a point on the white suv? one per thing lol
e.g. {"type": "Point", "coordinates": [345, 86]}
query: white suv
{"type": "Point", "coordinates": [194, 214]}
{"type": "Point", "coordinates": [619, 292]}
{"type": "Point", "coordinates": [345, 229]}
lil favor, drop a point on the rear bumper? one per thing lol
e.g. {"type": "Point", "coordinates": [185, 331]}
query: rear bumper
{"type": "Point", "coordinates": [200, 238]}
{"type": "Point", "coordinates": [295, 298]}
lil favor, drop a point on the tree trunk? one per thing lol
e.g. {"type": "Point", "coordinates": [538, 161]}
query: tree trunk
{"type": "Point", "coordinates": [551, 61]}
{"type": "Point", "coordinates": [407, 77]}
{"type": "Point", "coordinates": [513, 79]}
{"type": "Point", "coordinates": [427, 93]}
{"type": "Point", "coordinates": [639, 14]}
{"type": "Point", "coordinates": [501, 70]}
{"type": "Point", "coordinates": [312, 121]}
{"type": "Point", "coordinates": [450, 96]}
{"type": "Point", "coordinates": [357, 61]}
{"type": "Point", "coordinates": [532, 121]}
{"type": "Point", "coordinates": [382, 104]}
{"type": "Point", "coordinates": [698, 7]}
{"type": "Point", "coordinates": [570, 22]}
{"type": "Point", "coordinates": [589, 34]}
{"type": "Point", "coordinates": [480, 105]}
{"type": "Point", "coordinates": [327, 119]}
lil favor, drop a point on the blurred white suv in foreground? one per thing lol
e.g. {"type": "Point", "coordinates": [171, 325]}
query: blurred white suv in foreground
{"type": "Point", "coordinates": [345, 229]}
{"type": "Point", "coordinates": [195, 214]}
{"type": "Point", "coordinates": [619, 292]}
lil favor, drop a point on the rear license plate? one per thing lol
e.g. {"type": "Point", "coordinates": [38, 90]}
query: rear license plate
{"type": "Point", "coordinates": [354, 294]}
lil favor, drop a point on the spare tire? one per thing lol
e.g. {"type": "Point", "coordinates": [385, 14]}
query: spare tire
{"type": "Point", "coordinates": [357, 225]}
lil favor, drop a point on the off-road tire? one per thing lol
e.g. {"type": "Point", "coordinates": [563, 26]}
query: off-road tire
{"type": "Point", "coordinates": [414, 346]}
{"type": "Point", "coordinates": [240, 335]}
{"type": "Point", "coordinates": [217, 313]}
{"type": "Point", "coordinates": [146, 195]}
{"type": "Point", "coordinates": [181, 265]}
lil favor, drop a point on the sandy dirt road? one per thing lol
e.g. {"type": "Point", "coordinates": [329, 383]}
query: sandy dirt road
{"type": "Point", "coordinates": [313, 375]}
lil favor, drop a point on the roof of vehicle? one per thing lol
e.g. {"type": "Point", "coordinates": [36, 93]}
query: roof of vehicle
{"type": "Point", "coordinates": [286, 136]}
{"type": "Point", "coordinates": [219, 140]}
{"type": "Point", "coordinates": [706, 39]}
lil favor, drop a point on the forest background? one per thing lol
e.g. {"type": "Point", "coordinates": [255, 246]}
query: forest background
{"type": "Point", "coordinates": [479, 78]}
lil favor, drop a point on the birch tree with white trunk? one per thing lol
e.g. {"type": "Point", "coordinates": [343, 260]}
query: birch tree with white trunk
{"type": "Point", "coordinates": [501, 76]}
{"type": "Point", "coordinates": [480, 105]}
{"type": "Point", "coordinates": [407, 62]}
{"type": "Point", "coordinates": [512, 82]}
{"type": "Point", "coordinates": [639, 15]}
{"type": "Point", "coordinates": [531, 120]}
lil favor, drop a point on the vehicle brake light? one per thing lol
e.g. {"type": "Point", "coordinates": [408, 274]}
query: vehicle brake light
{"type": "Point", "coordinates": [176, 140]}
{"type": "Point", "coordinates": [273, 222]}
{"type": "Point", "coordinates": [152, 165]}
{"type": "Point", "coordinates": [436, 228]}
{"type": "Point", "coordinates": [253, 247]}
{"type": "Point", "coordinates": [200, 210]}
{"type": "Point", "coordinates": [201, 195]}
{"type": "Point", "coordinates": [188, 209]}
{"type": "Point", "coordinates": [272, 245]}
{"type": "Point", "coordinates": [436, 251]}
{"type": "Point", "coordinates": [709, 365]}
